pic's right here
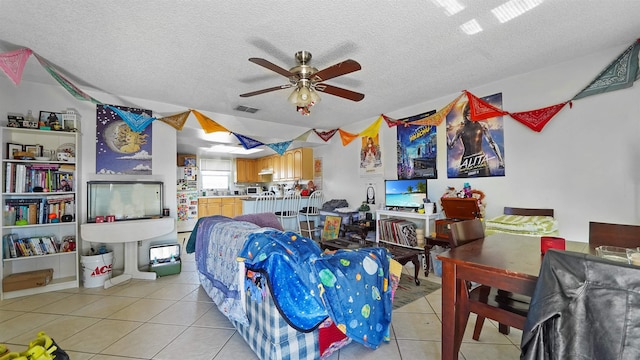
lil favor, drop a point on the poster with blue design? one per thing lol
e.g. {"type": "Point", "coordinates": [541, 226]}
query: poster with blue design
{"type": "Point", "coordinates": [475, 148]}
{"type": "Point", "coordinates": [417, 151]}
{"type": "Point", "coordinates": [119, 149]}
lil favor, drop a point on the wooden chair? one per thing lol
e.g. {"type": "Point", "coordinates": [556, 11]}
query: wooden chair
{"type": "Point", "coordinates": [527, 211]}
{"type": "Point", "coordinates": [507, 308]}
{"type": "Point", "coordinates": [627, 236]}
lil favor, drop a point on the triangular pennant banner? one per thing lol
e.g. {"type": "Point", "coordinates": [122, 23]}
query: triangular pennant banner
{"type": "Point", "coordinates": [176, 121]}
{"type": "Point", "coordinates": [137, 122]}
{"type": "Point", "coordinates": [437, 118]}
{"type": "Point", "coordinates": [304, 136]}
{"type": "Point", "coordinates": [346, 137]}
{"type": "Point", "coordinates": [247, 142]}
{"type": "Point", "coordinates": [207, 124]}
{"type": "Point", "coordinates": [12, 63]}
{"type": "Point", "coordinates": [372, 130]}
{"type": "Point", "coordinates": [325, 135]}
{"type": "Point", "coordinates": [620, 74]}
{"type": "Point", "coordinates": [482, 110]}
{"type": "Point", "coordinates": [280, 147]}
{"type": "Point", "coordinates": [70, 87]}
{"type": "Point", "coordinates": [537, 119]}
{"type": "Point", "coordinates": [391, 122]}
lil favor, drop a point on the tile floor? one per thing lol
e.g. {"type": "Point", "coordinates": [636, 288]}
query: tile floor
{"type": "Point", "coordinates": [173, 318]}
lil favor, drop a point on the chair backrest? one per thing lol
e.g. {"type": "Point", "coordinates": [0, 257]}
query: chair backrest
{"type": "Point", "coordinates": [266, 202]}
{"type": "Point", "coordinates": [290, 205]}
{"type": "Point", "coordinates": [621, 235]}
{"type": "Point", "coordinates": [314, 205]}
{"type": "Point", "coordinates": [465, 231]}
{"type": "Point", "coordinates": [527, 211]}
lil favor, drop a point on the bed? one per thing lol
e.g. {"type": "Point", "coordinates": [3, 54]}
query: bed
{"type": "Point", "coordinates": [524, 221]}
{"type": "Point", "coordinates": [287, 298]}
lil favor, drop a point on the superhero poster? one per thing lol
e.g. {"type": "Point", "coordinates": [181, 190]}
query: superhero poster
{"type": "Point", "coordinates": [417, 150]}
{"type": "Point", "coordinates": [475, 148]}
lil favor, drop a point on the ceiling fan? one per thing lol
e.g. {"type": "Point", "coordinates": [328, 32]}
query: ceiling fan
{"type": "Point", "coordinates": [308, 80]}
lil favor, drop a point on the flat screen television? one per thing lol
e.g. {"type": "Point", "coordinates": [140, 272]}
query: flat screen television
{"type": "Point", "coordinates": [408, 193]}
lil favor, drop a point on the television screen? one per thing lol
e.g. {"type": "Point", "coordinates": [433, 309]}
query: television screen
{"type": "Point", "coordinates": [408, 193]}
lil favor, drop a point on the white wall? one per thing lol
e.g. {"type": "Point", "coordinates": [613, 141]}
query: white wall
{"type": "Point", "coordinates": [584, 164]}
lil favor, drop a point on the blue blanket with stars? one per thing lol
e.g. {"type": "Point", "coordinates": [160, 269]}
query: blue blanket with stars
{"type": "Point", "coordinates": [350, 286]}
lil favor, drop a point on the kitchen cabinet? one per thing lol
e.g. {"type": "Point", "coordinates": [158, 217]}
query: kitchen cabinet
{"type": "Point", "coordinates": [246, 170]}
{"type": "Point", "coordinates": [226, 206]}
{"type": "Point", "coordinates": [277, 168]}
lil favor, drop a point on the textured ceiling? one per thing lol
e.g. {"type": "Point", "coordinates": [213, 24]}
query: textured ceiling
{"type": "Point", "coordinates": [195, 53]}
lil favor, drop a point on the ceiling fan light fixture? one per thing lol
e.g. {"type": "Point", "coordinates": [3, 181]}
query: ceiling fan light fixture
{"type": "Point", "coordinates": [293, 98]}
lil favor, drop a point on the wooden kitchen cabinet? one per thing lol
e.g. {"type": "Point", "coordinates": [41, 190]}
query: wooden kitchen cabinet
{"type": "Point", "coordinates": [246, 170]}
{"type": "Point", "coordinates": [277, 169]}
{"type": "Point", "coordinates": [225, 206]}
{"type": "Point", "coordinates": [303, 164]}
{"type": "Point", "coordinates": [292, 165]}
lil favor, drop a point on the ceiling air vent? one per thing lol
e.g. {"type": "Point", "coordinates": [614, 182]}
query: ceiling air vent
{"type": "Point", "coordinates": [246, 109]}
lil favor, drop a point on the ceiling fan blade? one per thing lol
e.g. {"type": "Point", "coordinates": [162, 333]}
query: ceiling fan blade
{"type": "Point", "coordinates": [271, 66]}
{"type": "Point", "coordinates": [258, 92]}
{"type": "Point", "coordinates": [345, 67]}
{"type": "Point", "coordinates": [343, 93]}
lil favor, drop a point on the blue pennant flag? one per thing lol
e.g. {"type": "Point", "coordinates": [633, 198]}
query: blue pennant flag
{"type": "Point", "coordinates": [247, 143]}
{"type": "Point", "coordinates": [280, 147]}
{"type": "Point", "coordinates": [137, 122]}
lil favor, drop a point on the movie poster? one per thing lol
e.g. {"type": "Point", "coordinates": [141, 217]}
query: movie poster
{"type": "Point", "coordinates": [417, 150]}
{"type": "Point", "coordinates": [120, 150]}
{"type": "Point", "coordinates": [475, 148]}
{"type": "Point", "coordinates": [370, 156]}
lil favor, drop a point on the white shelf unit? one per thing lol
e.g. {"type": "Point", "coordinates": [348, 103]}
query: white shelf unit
{"type": "Point", "coordinates": [422, 221]}
{"type": "Point", "coordinates": [65, 265]}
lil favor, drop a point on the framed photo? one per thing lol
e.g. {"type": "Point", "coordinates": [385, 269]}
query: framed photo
{"type": "Point", "coordinates": [13, 148]}
{"type": "Point", "coordinates": [51, 119]}
{"type": "Point", "coordinates": [36, 150]}
{"type": "Point", "coordinates": [331, 227]}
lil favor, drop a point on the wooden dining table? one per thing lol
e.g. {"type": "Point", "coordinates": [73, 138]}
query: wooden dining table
{"type": "Point", "coordinates": [505, 261]}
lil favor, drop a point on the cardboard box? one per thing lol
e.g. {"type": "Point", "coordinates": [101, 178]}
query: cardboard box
{"type": "Point", "coordinates": [27, 280]}
{"type": "Point", "coordinates": [186, 160]}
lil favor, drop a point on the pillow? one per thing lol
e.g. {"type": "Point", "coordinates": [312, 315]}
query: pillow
{"type": "Point", "coordinates": [262, 220]}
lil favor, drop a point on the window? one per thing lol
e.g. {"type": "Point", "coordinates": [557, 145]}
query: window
{"type": "Point", "coordinates": [215, 173]}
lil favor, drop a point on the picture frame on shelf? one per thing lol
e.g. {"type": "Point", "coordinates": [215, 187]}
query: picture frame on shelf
{"type": "Point", "coordinates": [12, 149]}
{"type": "Point", "coordinates": [36, 150]}
{"type": "Point", "coordinates": [51, 119]}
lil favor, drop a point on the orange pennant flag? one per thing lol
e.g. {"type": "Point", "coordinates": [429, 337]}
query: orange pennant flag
{"type": "Point", "coordinates": [176, 121]}
{"type": "Point", "coordinates": [207, 124]}
{"type": "Point", "coordinates": [482, 110]}
{"type": "Point", "coordinates": [347, 137]}
{"type": "Point", "coordinates": [373, 129]}
{"type": "Point", "coordinates": [437, 118]}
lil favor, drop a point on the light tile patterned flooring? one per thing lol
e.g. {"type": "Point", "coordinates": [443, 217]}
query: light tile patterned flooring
{"type": "Point", "coordinates": [173, 318]}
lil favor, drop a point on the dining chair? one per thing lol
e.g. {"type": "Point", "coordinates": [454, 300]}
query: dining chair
{"type": "Point", "coordinates": [289, 210]}
{"type": "Point", "coordinates": [265, 202]}
{"type": "Point", "coordinates": [311, 212]}
{"type": "Point", "coordinates": [512, 306]}
{"type": "Point", "coordinates": [622, 235]}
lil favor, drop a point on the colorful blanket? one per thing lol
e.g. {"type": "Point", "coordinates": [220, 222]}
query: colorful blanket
{"type": "Point", "coordinates": [352, 287]}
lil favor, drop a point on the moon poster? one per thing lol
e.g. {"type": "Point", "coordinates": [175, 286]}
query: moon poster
{"type": "Point", "coordinates": [119, 149]}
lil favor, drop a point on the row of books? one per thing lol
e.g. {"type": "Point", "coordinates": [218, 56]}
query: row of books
{"type": "Point", "coordinates": [398, 231]}
{"type": "Point", "coordinates": [15, 246]}
{"type": "Point", "coordinates": [40, 210]}
{"type": "Point", "coordinates": [21, 178]}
